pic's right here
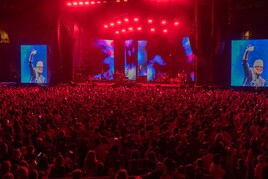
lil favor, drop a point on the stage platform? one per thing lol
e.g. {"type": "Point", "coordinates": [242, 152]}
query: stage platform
{"type": "Point", "coordinates": [103, 83]}
{"type": "Point", "coordinates": [130, 84]}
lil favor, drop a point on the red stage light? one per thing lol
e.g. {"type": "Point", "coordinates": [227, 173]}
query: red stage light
{"type": "Point", "coordinates": [118, 22]}
{"type": "Point", "coordinates": [111, 24]}
{"type": "Point", "coordinates": [105, 26]}
{"type": "Point", "coordinates": [165, 1]}
{"type": "Point", "coordinates": [139, 28]}
{"type": "Point", "coordinates": [152, 29]}
{"type": "Point", "coordinates": [150, 20]}
{"type": "Point", "coordinates": [165, 30]}
{"type": "Point", "coordinates": [117, 32]}
{"type": "Point", "coordinates": [84, 2]}
{"type": "Point", "coordinates": [126, 20]}
{"type": "Point", "coordinates": [130, 29]}
{"type": "Point", "coordinates": [164, 22]}
{"type": "Point", "coordinates": [176, 23]}
{"type": "Point", "coordinates": [123, 30]}
{"type": "Point", "coordinates": [136, 19]}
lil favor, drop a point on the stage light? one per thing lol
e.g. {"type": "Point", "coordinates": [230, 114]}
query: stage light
{"type": "Point", "coordinates": [117, 32]}
{"type": "Point", "coordinates": [123, 30]}
{"type": "Point", "coordinates": [84, 2]}
{"type": "Point", "coordinates": [150, 21]}
{"type": "Point", "coordinates": [164, 1]}
{"type": "Point", "coordinates": [105, 26]}
{"type": "Point", "coordinates": [136, 19]}
{"type": "Point", "coordinates": [165, 30]}
{"type": "Point", "coordinates": [118, 22]}
{"type": "Point", "coordinates": [139, 28]}
{"type": "Point", "coordinates": [176, 23]}
{"type": "Point", "coordinates": [130, 29]}
{"type": "Point", "coordinates": [126, 20]}
{"type": "Point", "coordinates": [125, 0]}
{"type": "Point", "coordinates": [164, 22]}
{"type": "Point", "coordinates": [111, 24]}
{"type": "Point", "coordinates": [117, 0]}
{"type": "Point", "coordinates": [152, 29]}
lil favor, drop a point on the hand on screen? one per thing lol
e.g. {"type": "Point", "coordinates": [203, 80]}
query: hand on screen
{"type": "Point", "coordinates": [250, 48]}
{"type": "Point", "coordinates": [33, 52]}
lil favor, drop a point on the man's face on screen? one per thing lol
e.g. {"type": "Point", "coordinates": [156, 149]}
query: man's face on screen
{"type": "Point", "coordinates": [39, 69]}
{"type": "Point", "coordinates": [258, 70]}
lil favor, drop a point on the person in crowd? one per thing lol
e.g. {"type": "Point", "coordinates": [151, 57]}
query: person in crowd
{"type": "Point", "coordinates": [121, 174]}
{"type": "Point", "coordinates": [5, 170]}
{"type": "Point", "coordinates": [216, 170]}
{"type": "Point", "coordinates": [262, 163]}
{"type": "Point", "coordinates": [91, 164]}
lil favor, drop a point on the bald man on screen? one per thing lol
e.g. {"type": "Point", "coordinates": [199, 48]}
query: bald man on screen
{"type": "Point", "coordinates": [36, 73]}
{"type": "Point", "coordinates": [252, 75]}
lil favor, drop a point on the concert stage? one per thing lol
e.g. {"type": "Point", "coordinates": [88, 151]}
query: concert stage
{"type": "Point", "coordinates": [131, 84]}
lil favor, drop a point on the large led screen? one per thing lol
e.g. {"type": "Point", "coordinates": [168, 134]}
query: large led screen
{"type": "Point", "coordinates": [190, 58]}
{"type": "Point", "coordinates": [102, 60]}
{"type": "Point", "coordinates": [142, 58]}
{"type": "Point", "coordinates": [34, 64]}
{"type": "Point", "coordinates": [170, 61]}
{"type": "Point", "coordinates": [130, 53]}
{"type": "Point", "coordinates": [249, 63]}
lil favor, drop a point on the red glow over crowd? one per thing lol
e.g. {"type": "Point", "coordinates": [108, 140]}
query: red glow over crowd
{"type": "Point", "coordinates": [150, 132]}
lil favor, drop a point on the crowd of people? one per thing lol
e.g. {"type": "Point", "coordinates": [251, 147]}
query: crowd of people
{"type": "Point", "coordinates": [146, 132]}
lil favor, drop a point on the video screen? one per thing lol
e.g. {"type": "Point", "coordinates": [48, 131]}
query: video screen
{"type": "Point", "coordinates": [249, 63]}
{"type": "Point", "coordinates": [170, 61]}
{"type": "Point", "coordinates": [142, 58]}
{"type": "Point", "coordinates": [130, 54]}
{"type": "Point", "coordinates": [34, 64]}
{"type": "Point", "coordinates": [155, 68]}
{"type": "Point", "coordinates": [190, 57]}
{"type": "Point", "coordinates": [102, 61]}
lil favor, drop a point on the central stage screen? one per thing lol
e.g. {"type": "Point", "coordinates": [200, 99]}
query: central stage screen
{"type": "Point", "coordinates": [249, 63]}
{"type": "Point", "coordinates": [157, 60]}
{"type": "Point", "coordinates": [170, 61]}
{"type": "Point", "coordinates": [130, 56]}
{"type": "Point", "coordinates": [102, 61]}
{"type": "Point", "coordinates": [142, 58]}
